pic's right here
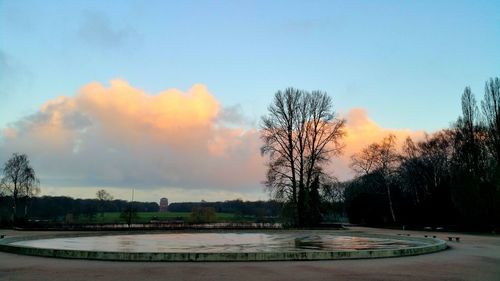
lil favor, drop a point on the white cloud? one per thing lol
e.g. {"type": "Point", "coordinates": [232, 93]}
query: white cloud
{"type": "Point", "coordinates": [120, 136]}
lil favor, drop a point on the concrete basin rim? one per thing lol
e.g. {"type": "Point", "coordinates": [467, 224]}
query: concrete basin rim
{"type": "Point", "coordinates": [434, 245]}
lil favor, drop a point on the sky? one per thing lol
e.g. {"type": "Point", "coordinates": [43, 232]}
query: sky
{"type": "Point", "coordinates": [165, 97]}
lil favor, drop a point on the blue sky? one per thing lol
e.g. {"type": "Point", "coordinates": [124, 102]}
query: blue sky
{"type": "Point", "coordinates": [405, 63]}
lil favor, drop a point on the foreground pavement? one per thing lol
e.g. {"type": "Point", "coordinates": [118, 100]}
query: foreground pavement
{"type": "Point", "coordinates": [475, 257]}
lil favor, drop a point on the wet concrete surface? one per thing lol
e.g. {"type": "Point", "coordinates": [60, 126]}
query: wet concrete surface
{"type": "Point", "coordinates": [225, 242]}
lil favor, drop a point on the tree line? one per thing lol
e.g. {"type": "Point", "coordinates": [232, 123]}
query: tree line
{"type": "Point", "coordinates": [449, 178]}
{"type": "Point", "coordinates": [67, 209]}
{"type": "Point", "coordinates": [269, 208]}
{"type": "Point", "coordinates": [57, 208]}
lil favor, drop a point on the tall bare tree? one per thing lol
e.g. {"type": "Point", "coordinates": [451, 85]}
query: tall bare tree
{"type": "Point", "coordinates": [471, 155]}
{"type": "Point", "coordinates": [409, 165]}
{"type": "Point", "coordinates": [278, 134]}
{"type": "Point", "coordinates": [491, 112]}
{"type": "Point", "coordinates": [301, 133]}
{"type": "Point", "coordinates": [382, 158]}
{"type": "Point", "coordinates": [468, 133]}
{"type": "Point", "coordinates": [19, 180]}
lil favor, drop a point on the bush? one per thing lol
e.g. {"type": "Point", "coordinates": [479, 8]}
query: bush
{"type": "Point", "coordinates": [202, 215]}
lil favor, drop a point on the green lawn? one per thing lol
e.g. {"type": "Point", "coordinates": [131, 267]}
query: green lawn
{"type": "Point", "coordinates": [145, 217]}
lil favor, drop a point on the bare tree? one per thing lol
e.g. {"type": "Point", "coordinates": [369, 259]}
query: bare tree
{"type": "Point", "coordinates": [278, 134]}
{"type": "Point", "coordinates": [301, 133]}
{"type": "Point", "coordinates": [491, 113]}
{"type": "Point", "coordinates": [450, 177]}
{"type": "Point", "coordinates": [468, 137]}
{"type": "Point", "coordinates": [436, 153]}
{"type": "Point", "coordinates": [410, 164]}
{"type": "Point", "coordinates": [103, 196]}
{"type": "Point", "coordinates": [424, 167]}
{"type": "Point", "coordinates": [379, 157]}
{"type": "Point", "coordinates": [19, 180]}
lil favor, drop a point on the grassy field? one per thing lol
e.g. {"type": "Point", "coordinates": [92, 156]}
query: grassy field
{"type": "Point", "coordinates": [145, 217]}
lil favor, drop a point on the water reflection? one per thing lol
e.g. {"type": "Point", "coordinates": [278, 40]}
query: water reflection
{"type": "Point", "coordinates": [126, 243]}
{"type": "Point", "coordinates": [219, 242]}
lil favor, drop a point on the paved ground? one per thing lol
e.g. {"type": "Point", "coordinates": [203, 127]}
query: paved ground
{"type": "Point", "coordinates": [474, 258]}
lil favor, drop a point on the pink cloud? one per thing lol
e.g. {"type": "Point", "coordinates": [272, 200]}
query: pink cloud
{"type": "Point", "coordinates": [362, 131]}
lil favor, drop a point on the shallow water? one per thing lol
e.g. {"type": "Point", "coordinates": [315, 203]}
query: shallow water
{"type": "Point", "coordinates": [218, 242]}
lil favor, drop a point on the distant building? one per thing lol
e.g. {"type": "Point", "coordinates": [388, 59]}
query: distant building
{"type": "Point", "coordinates": [164, 205]}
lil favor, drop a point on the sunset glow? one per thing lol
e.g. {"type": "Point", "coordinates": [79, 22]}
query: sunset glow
{"type": "Point", "coordinates": [121, 134]}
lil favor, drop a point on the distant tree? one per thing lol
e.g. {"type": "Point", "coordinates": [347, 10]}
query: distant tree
{"type": "Point", "coordinates": [301, 134]}
{"type": "Point", "coordinates": [381, 158]}
{"type": "Point", "coordinates": [103, 196]}
{"type": "Point", "coordinates": [243, 208]}
{"type": "Point", "coordinates": [20, 181]}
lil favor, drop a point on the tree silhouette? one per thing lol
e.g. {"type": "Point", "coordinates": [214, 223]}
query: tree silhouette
{"type": "Point", "coordinates": [381, 158]}
{"type": "Point", "coordinates": [300, 134]}
{"type": "Point", "coordinates": [103, 196]}
{"type": "Point", "coordinates": [491, 111]}
{"type": "Point", "coordinates": [19, 180]}
{"type": "Point", "coordinates": [450, 178]}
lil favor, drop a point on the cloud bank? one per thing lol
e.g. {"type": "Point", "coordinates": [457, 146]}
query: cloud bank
{"type": "Point", "coordinates": [119, 137]}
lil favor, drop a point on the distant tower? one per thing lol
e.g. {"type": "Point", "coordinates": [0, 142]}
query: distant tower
{"type": "Point", "coordinates": [163, 205]}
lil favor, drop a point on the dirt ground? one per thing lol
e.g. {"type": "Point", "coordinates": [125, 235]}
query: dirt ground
{"type": "Point", "coordinates": [475, 257]}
